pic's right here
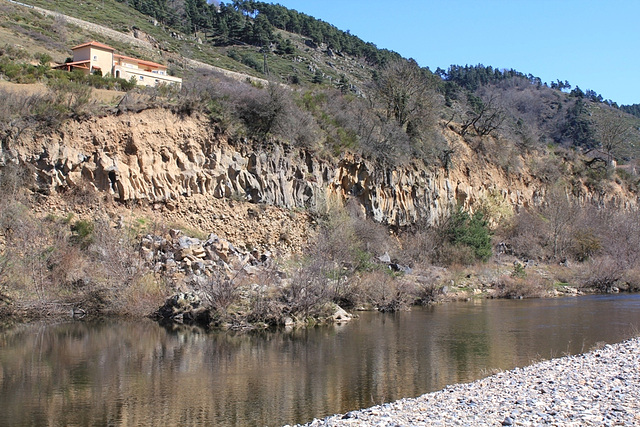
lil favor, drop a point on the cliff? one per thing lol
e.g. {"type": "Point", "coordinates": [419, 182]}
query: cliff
{"type": "Point", "coordinates": [182, 168]}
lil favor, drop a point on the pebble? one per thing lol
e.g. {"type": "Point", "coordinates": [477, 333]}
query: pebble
{"type": "Point", "coordinates": [601, 387]}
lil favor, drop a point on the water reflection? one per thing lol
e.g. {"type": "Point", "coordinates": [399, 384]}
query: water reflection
{"type": "Point", "coordinates": [137, 373]}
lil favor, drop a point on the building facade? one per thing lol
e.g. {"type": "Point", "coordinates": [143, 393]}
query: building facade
{"type": "Point", "coordinates": [96, 57]}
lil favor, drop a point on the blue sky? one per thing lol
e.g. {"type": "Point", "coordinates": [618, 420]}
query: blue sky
{"type": "Point", "coordinates": [592, 44]}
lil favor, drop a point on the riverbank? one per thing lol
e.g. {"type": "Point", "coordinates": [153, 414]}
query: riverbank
{"type": "Point", "coordinates": [601, 387]}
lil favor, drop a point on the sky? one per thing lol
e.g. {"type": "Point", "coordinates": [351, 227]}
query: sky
{"type": "Point", "coordinates": [592, 44]}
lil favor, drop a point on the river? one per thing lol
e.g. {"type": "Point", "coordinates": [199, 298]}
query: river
{"type": "Point", "coordinates": [115, 372]}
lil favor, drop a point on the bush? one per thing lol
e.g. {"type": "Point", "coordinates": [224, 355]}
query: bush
{"type": "Point", "coordinates": [529, 286]}
{"type": "Point", "coordinates": [70, 95]}
{"type": "Point", "coordinates": [307, 294]}
{"type": "Point", "coordinates": [220, 293]}
{"type": "Point", "coordinates": [469, 231]}
{"type": "Point", "coordinates": [386, 293]}
{"type": "Point", "coordinates": [602, 274]}
{"type": "Point", "coordinates": [83, 233]}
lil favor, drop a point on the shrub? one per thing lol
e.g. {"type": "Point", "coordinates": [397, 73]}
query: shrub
{"type": "Point", "coordinates": [631, 280]}
{"type": "Point", "coordinates": [70, 95]}
{"type": "Point", "coordinates": [386, 293]}
{"type": "Point", "coordinates": [531, 286]}
{"type": "Point", "coordinates": [585, 243]}
{"type": "Point", "coordinates": [471, 231]}
{"type": "Point", "coordinates": [307, 294]}
{"type": "Point", "coordinates": [83, 233]}
{"type": "Point", "coordinates": [526, 236]}
{"type": "Point", "coordinates": [602, 274]}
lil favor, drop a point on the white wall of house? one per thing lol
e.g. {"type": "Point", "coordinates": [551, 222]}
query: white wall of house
{"type": "Point", "coordinates": [145, 78]}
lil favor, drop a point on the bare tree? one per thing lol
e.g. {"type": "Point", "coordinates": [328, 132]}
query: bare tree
{"type": "Point", "coordinates": [485, 117]}
{"type": "Point", "coordinates": [560, 214]}
{"type": "Point", "coordinates": [406, 92]}
{"type": "Point", "coordinates": [612, 132]}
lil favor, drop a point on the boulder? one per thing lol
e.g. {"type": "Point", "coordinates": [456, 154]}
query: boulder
{"type": "Point", "coordinates": [185, 308]}
{"type": "Point", "coordinates": [341, 316]}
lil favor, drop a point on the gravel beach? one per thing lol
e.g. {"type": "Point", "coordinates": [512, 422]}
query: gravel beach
{"type": "Point", "coordinates": [601, 387]}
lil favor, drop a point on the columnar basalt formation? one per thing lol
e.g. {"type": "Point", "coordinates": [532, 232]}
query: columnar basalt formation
{"type": "Point", "coordinates": [159, 157]}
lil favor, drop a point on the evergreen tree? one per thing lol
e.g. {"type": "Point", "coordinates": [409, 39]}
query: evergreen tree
{"type": "Point", "coordinates": [470, 231]}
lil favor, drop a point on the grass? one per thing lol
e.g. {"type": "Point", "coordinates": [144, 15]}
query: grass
{"type": "Point", "coordinates": [109, 13]}
{"type": "Point", "coordinates": [114, 15]}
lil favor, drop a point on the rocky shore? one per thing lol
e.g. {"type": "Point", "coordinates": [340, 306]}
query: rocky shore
{"type": "Point", "coordinates": [601, 387]}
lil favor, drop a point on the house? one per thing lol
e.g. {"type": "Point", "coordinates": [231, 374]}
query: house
{"type": "Point", "coordinates": [94, 57]}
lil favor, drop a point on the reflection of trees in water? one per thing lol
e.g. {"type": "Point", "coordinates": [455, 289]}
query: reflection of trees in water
{"type": "Point", "coordinates": [136, 373]}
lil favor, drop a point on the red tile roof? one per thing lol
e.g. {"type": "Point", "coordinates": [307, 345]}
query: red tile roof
{"type": "Point", "coordinates": [140, 61]}
{"type": "Point", "coordinates": [95, 44]}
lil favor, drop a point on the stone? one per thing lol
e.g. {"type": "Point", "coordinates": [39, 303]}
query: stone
{"type": "Point", "coordinates": [385, 258]}
{"type": "Point", "coordinates": [341, 316]}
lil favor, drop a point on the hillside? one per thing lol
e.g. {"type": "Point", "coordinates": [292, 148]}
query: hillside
{"type": "Point", "coordinates": [365, 181]}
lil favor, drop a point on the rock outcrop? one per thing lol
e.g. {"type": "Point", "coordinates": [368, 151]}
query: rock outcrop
{"type": "Point", "coordinates": [161, 158]}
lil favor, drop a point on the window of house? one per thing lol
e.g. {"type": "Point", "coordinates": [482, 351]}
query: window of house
{"type": "Point", "coordinates": [141, 77]}
{"type": "Point", "coordinates": [95, 57]}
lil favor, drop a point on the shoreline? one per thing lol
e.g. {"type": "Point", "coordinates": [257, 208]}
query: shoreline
{"type": "Point", "coordinates": [12, 313]}
{"type": "Point", "coordinates": [600, 387]}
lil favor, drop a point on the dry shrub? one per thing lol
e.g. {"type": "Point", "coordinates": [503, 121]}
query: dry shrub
{"type": "Point", "coordinates": [114, 254]}
{"type": "Point", "coordinates": [631, 280]}
{"type": "Point", "coordinates": [430, 285]}
{"type": "Point", "coordinates": [308, 293]}
{"type": "Point", "coordinates": [259, 295]}
{"type": "Point", "coordinates": [602, 274]}
{"type": "Point", "coordinates": [264, 306]}
{"type": "Point", "coordinates": [387, 293]}
{"type": "Point", "coordinates": [620, 236]}
{"type": "Point", "coordinates": [371, 236]}
{"type": "Point", "coordinates": [236, 106]}
{"type": "Point", "coordinates": [453, 255]}
{"type": "Point", "coordinates": [220, 293]}
{"type": "Point", "coordinates": [530, 286]}
{"type": "Point", "coordinates": [585, 243]}
{"type": "Point", "coordinates": [136, 101]}
{"type": "Point", "coordinates": [419, 246]}
{"type": "Point", "coordinates": [19, 112]}
{"type": "Point", "coordinates": [141, 296]}
{"type": "Point", "coordinates": [33, 248]}
{"type": "Point", "coordinates": [347, 240]}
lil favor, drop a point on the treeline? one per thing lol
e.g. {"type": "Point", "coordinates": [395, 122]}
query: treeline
{"type": "Point", "coordinates": [254, 23]}
{"type": "Point", "coordinates": [472, 77]}
{"type": "Point", "coordinates": [633, 109]}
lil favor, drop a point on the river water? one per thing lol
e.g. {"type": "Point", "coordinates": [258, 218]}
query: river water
{"type": "Point", "coordinates": [138, 373]}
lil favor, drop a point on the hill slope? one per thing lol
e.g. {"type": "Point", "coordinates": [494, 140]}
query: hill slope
{"type": "Point", "coordinates": [382, 180]}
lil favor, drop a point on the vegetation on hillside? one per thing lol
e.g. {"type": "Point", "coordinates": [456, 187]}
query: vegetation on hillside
{"type": "Point", "coordinates": [327, 93]}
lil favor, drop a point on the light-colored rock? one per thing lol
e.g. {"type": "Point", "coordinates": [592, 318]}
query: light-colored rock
{"type": "Point", "coordinates": [183, 170]}
{"type": "Point", "coordinates": [341, 316]}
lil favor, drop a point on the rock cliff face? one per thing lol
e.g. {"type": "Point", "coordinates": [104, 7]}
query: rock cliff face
{"type": "Point", "coordinates": [161, 158]}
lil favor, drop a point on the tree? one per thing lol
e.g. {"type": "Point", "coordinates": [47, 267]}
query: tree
{"type": "Point", "coordinates": [612, 132]}
{"type": "Point", "coordinates": [471, 231]}
{"type": "Point", "coordinates": [262, 32]}
{"type": "Point", "coordinates": [343, 84]}
{"type": "Point", "coordinates": [559, 214]}
{"type": "Point", "coordinates": [578, 129]}
{"type": "Point", "coordinates": [484, 116]}
{"type": "Point", "coordinates": [405, 91]}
